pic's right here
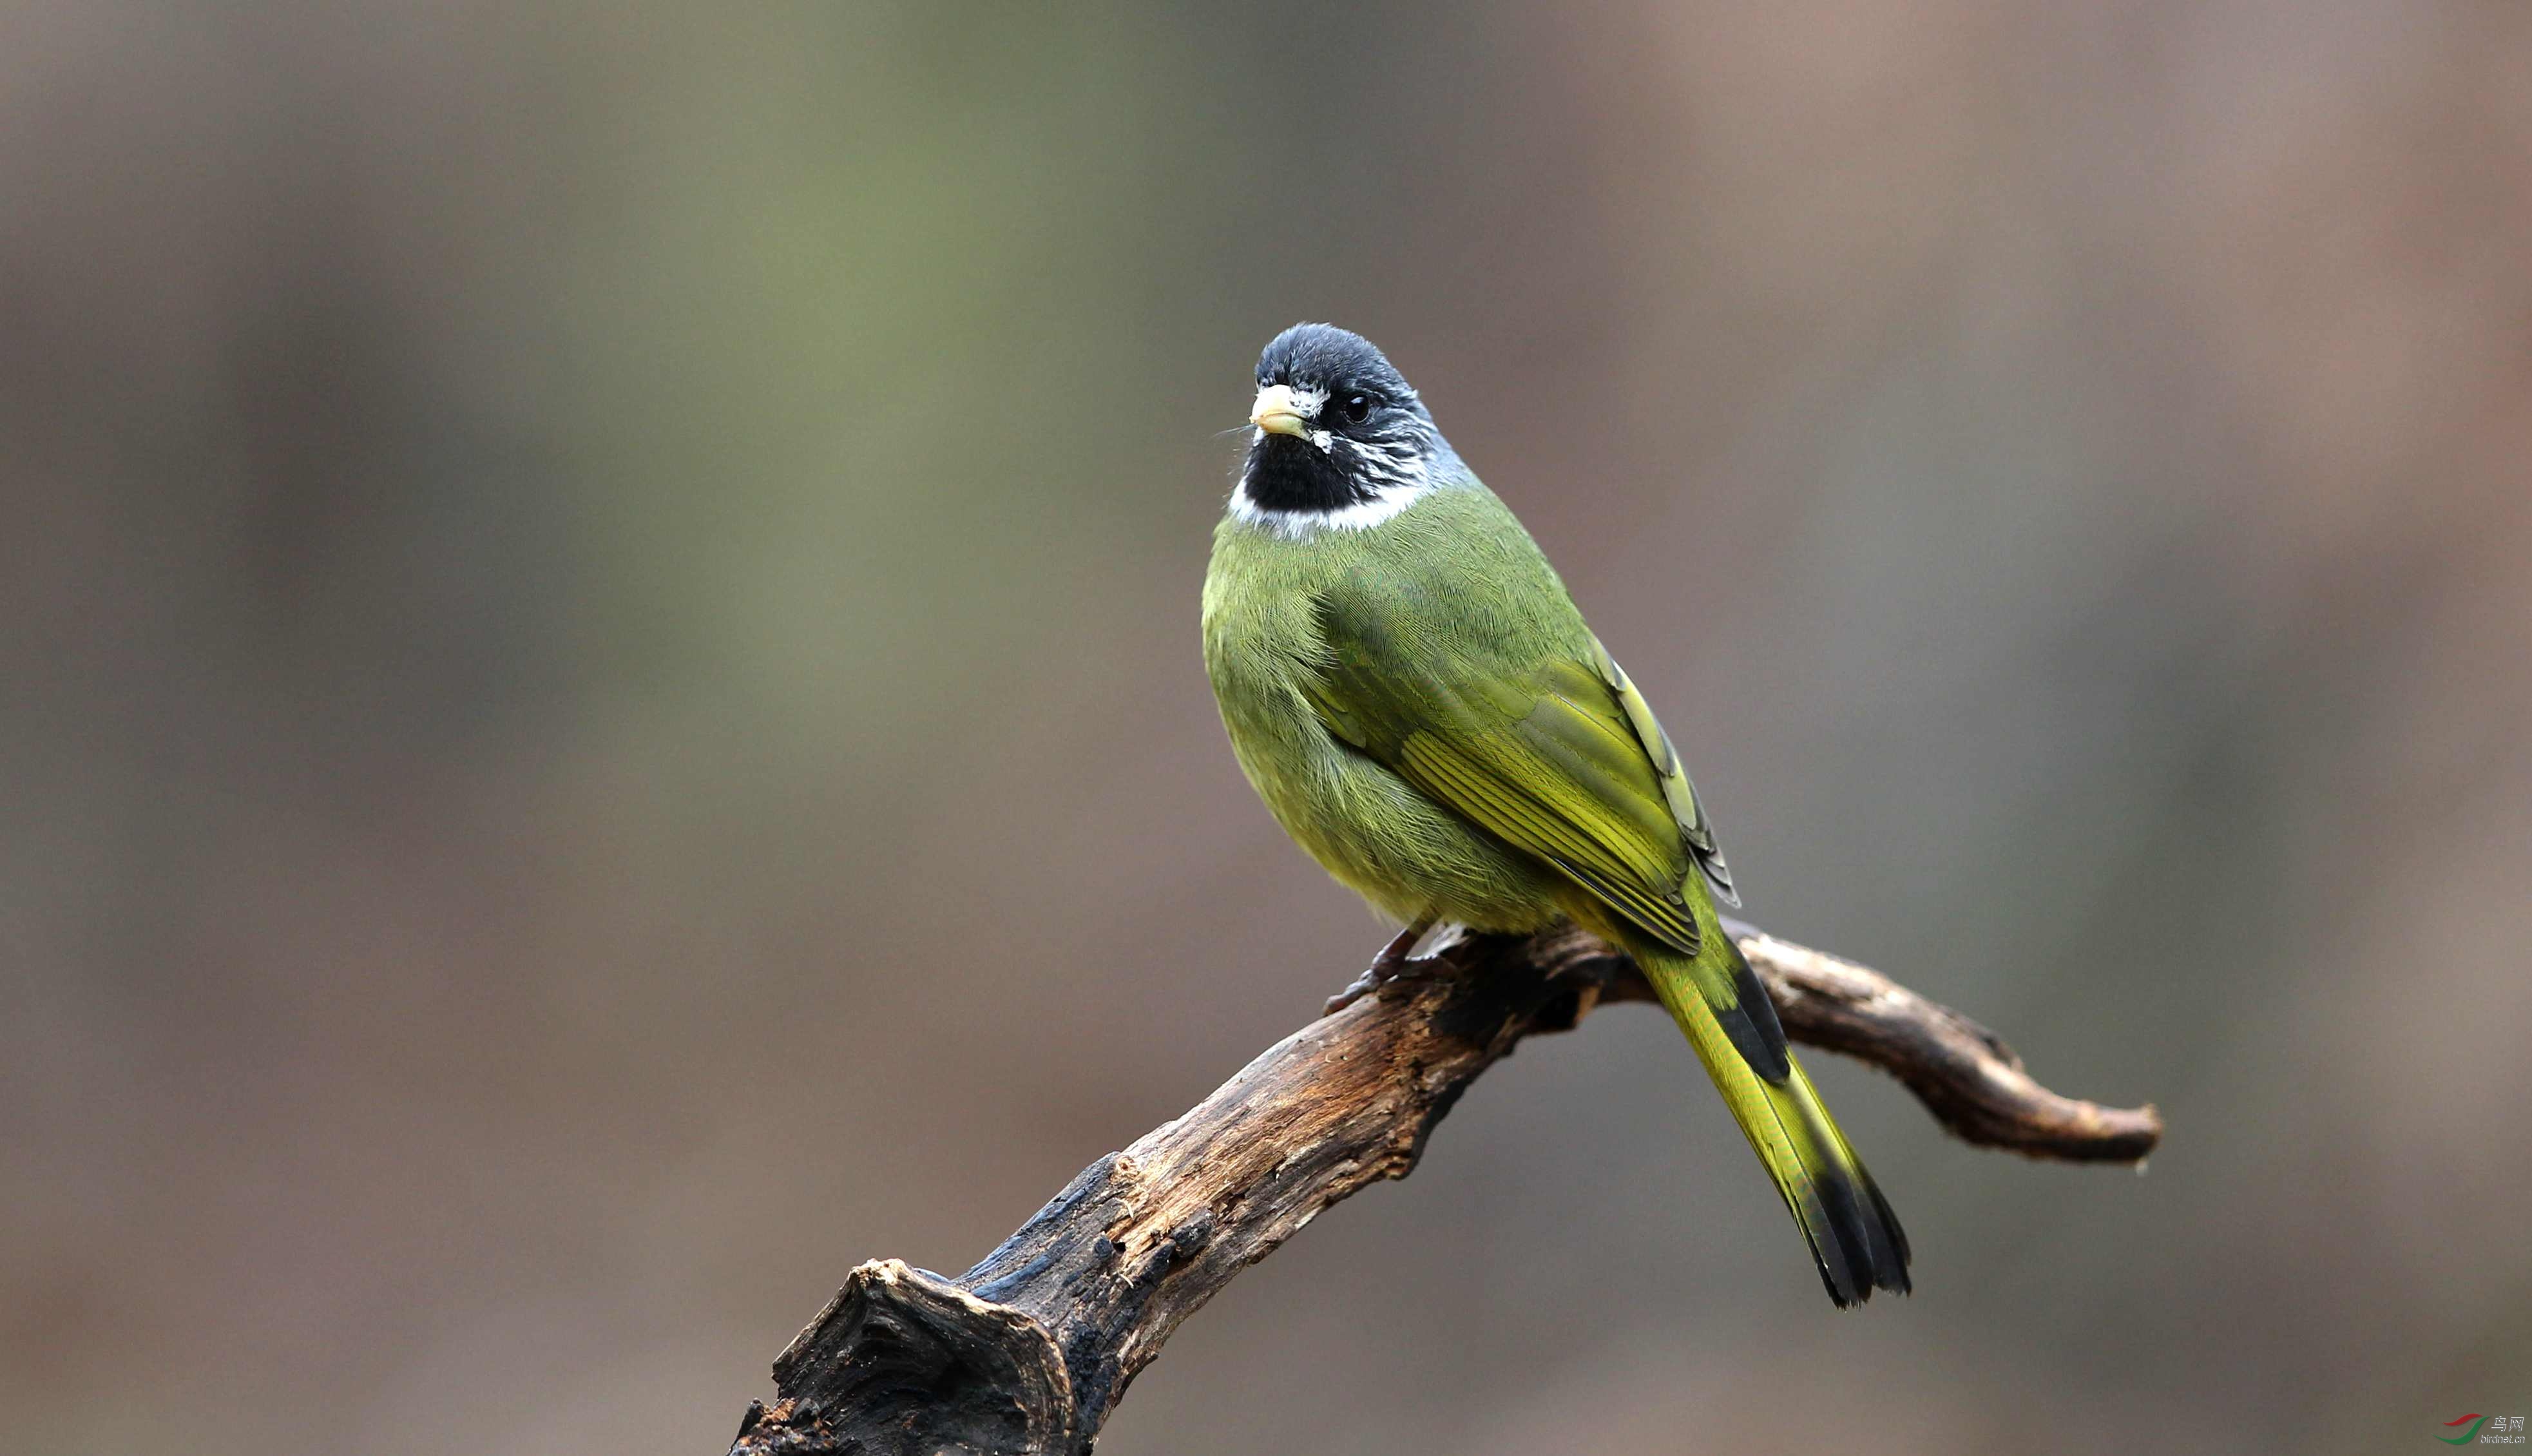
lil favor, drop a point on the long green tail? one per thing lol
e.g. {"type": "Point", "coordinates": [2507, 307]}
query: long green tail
{"type": "Point", "coordinates": [1723, 1007]}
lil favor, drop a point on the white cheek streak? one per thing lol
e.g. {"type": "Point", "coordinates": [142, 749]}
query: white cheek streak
{"type": "Point", "coordinates": [1319, 438]}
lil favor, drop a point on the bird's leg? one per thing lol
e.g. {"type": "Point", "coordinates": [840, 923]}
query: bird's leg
{"type": "Point", "coordinates": [1395, 956]}
{"type": "Point", "coordinates": [1397, 961]}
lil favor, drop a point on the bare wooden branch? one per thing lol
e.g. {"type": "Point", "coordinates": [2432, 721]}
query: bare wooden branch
{"type": "Point", "coordinates": [1029, 1351]}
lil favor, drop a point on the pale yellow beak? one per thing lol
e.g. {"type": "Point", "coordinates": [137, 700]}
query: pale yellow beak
{"type": "Point", "coordinates": [1277, 411]}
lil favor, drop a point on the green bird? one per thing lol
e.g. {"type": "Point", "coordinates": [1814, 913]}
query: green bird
{"type": "Point", "coordinates": [1412, 692]}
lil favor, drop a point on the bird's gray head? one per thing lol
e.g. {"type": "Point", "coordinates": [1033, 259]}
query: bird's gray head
{"type": "Point", "coordinates": [1342, 442]}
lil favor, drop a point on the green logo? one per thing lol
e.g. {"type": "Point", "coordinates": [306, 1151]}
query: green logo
{"type": "Point", "coordinates": [2476, 1421]}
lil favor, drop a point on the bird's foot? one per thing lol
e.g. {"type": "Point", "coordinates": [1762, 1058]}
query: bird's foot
{"type": "Point", "coordinates": [1397, 961]}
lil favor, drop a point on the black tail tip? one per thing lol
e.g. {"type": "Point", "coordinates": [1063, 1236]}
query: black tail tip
{"type": "Point", "coordinates": [1863, 1247]}
{"type": "Point", "coordinates": [1854, 1290]}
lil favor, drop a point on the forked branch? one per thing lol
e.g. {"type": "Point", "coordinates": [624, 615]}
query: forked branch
{"type": "Point", "coordinates": [1030, 1350]}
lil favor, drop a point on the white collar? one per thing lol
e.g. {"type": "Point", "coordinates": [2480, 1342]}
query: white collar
{"type": "Point", "coordinates": [1300, 525]}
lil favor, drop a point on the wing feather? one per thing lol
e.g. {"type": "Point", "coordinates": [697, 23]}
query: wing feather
{"type": "Point", "coordinates": [1677, 791]}
{"type": "Point", "coordinates": [1558, 757]}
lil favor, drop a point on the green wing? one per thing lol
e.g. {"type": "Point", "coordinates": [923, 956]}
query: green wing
{"type": "Point", "coordinates": [1685, 811]}
{"type": "Point", "coordinates": [1556, 754]}
{"type": "Point", "coordinates": [1559, 757]}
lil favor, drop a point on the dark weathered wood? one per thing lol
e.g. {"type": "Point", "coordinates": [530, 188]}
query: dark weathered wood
{"type": "Point", "coordinates": [1030, 1350]}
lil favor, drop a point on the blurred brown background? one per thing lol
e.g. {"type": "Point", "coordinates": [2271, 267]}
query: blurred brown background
{"type": "Point", "coordinates": [604, 717]}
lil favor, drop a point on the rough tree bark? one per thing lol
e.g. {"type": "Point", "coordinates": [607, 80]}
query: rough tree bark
{"type": "Point", "coordinates": [1029, 1351]}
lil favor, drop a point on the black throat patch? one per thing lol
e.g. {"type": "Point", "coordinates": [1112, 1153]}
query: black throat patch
{"type": "Point", "coordinates": [1290, 474]}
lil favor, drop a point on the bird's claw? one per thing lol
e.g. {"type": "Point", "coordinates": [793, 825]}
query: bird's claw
{"type": "Point", "coordinates": [1384, 973]}
{"type": "Point", "coordinates": [1397, 961]}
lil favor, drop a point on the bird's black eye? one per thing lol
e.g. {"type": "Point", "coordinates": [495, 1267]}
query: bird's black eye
{"type": "Point", "coordinates": [1358, 408]}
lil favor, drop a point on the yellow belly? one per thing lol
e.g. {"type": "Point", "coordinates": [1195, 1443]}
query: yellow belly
{"type": "Point", "coordinates": [1370, 828]}
{"type": "Point", "coordinates": [1377, 834]}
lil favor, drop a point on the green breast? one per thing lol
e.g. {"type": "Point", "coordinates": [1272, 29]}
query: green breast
{"type": "Point", "coordinates": [1456, 584]}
